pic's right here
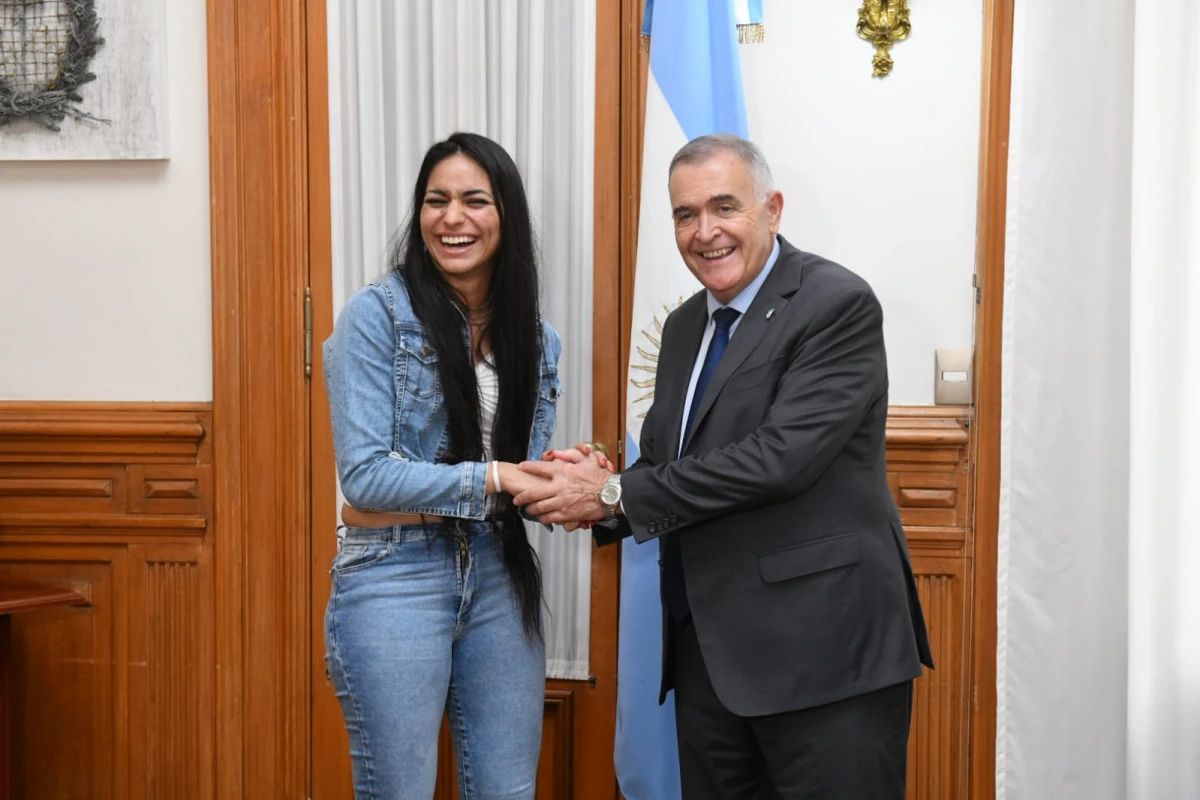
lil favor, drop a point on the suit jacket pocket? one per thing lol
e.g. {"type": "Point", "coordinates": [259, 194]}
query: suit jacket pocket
{"type": "Point", "coordinates": [808, 558]}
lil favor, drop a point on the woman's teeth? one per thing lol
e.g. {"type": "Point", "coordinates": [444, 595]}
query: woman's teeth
{"type": "Point", "coordinates": [457, 242]}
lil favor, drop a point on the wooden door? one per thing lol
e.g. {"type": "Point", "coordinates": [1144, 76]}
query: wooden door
{"type": "Point", "coordinates": [580, 716]}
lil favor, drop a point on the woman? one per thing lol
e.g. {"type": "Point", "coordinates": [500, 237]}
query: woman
{"type": "Point", "coordinates": [442, 377]}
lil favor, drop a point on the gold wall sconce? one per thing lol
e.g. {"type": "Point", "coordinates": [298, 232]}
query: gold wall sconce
{"type": "Point", "coordinates": [883, 23]}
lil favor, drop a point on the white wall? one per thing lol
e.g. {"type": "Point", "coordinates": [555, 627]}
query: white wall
{"type": "Point", "coordinates": [105, 287]}
{"type": "Point", "coordinates": [879, 175]}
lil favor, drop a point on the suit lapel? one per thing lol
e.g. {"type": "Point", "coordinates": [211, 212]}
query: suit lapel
{"type": "Point", "coordinates": [781, 284]}
{"type": "Point", "coordinates": [675, 363]}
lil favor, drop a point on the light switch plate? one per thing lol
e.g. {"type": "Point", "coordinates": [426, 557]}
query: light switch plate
{"type": "Point", "coordinates": [952, 378]}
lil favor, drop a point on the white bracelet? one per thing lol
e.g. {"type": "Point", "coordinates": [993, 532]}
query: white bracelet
{"type": "Point", "coordinates": [496, 477]}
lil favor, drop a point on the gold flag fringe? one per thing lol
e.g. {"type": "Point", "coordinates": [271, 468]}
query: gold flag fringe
{"type": "Point", "coordinates": [755, 33]}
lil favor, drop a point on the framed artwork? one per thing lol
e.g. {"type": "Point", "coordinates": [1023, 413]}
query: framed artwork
{"type": "Point", "coordinates": [83, 80]}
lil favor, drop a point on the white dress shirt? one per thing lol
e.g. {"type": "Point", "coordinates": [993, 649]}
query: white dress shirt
{"type": "Point", "coordinates": [741, 303]}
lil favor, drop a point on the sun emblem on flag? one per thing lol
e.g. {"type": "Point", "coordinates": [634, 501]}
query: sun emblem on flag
{"type": "Point", "coordinates": [648, 351]}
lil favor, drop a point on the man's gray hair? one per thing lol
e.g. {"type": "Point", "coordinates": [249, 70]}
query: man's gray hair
{"type": "Point", "coordinates": [703, 148]}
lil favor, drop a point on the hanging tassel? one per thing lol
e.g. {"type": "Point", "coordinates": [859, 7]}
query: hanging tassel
{"type": "Point", "coordinates": [754, 33]}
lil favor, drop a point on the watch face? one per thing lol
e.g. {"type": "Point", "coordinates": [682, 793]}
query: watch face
{"type": "Point", "coordinates": [610, 494]}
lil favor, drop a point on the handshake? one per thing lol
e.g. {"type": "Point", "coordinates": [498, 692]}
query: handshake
{"type": "Point", "coordinates": [563, 488]}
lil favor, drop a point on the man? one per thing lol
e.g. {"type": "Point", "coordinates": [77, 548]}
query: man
{"type": "Point", "coordinates": [793, 627]}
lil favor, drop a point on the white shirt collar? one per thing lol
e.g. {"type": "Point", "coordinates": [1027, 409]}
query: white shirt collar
{"type": "Point", "coordinates": [746, 296]}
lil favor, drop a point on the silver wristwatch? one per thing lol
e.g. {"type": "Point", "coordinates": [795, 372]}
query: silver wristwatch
{"type": "Point", "coordinates": [610, 495]}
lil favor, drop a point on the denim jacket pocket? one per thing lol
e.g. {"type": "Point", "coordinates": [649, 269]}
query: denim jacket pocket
{"type": "Point", "coordinates": [420, 362]}
{"type": "Point", "coordinates": [419, 396]}
{"type": "Point", "coordinates": [549, 392]}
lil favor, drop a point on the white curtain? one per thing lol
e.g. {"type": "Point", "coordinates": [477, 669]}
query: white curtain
{"type": "Point", "coordinates": [1099, 595]}
{"type": "Point", "coordinates": [1164, 531]}
{"type": "Point", "coordinates": [405, 74]}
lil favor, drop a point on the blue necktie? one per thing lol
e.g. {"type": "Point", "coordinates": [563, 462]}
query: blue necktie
{"type": "Point", "coordinates": [674, 588]}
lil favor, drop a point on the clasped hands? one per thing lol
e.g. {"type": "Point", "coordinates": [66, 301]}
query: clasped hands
{"type": "Point", "coordinates": [563, 487]}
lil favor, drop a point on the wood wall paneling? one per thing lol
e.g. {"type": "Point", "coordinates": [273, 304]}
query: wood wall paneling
{"type": "Point", "coordinates": [928, 455]}
{"type": "Point", "coordinates": [6, 681]}
{"type": "Point", "coordinates": [172, 675]}
{"type": "Point", "coordinates": [113, 698]}
{"type": "Point", "coordinates": [556, 770]}
{"type": "Point", "coordinates": [937, 743]}
{"type": "Point", "coordinates": [69, 675]}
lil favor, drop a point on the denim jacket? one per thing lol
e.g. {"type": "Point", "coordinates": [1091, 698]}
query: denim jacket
{"type": "Point", "coordinates": [389, 418]}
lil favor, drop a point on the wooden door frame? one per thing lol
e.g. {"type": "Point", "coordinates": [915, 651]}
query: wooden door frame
{"type": "Point", "coordinates": [597, 777]}
{"type": "Point", "coordinates": [328, 777]}
{"type": "Point", "coordinates": [990, 239]}
{"type": "Point", "coordinates": [258, 153]}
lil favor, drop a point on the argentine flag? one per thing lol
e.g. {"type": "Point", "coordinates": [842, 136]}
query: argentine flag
{"type": "Point", "coordinates": [694, 89]}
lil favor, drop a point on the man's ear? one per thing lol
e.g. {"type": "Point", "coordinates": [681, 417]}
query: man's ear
{"type": "Point", "coordinates": [775, 210]}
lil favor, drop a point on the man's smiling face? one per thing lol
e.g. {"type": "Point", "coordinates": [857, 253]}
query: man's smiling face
{"type": "Point", "coordinates": [724, 232]}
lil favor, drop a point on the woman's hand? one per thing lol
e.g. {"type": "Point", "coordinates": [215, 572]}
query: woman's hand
{"type": "Point", "coordinates": [513, 480]}
{"type": "Point", "coordinates": [578, 454]}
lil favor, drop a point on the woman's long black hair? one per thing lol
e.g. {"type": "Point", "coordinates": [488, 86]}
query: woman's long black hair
{"type": "Point", "coordinates": [514, 331]}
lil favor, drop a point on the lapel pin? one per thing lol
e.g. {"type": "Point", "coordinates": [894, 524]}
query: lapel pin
{"type": "Point", "coordinates": [770, 313]}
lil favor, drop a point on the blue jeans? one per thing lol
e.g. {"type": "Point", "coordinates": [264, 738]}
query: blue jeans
{"type": "Point", "coordinates": [417, 626]}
